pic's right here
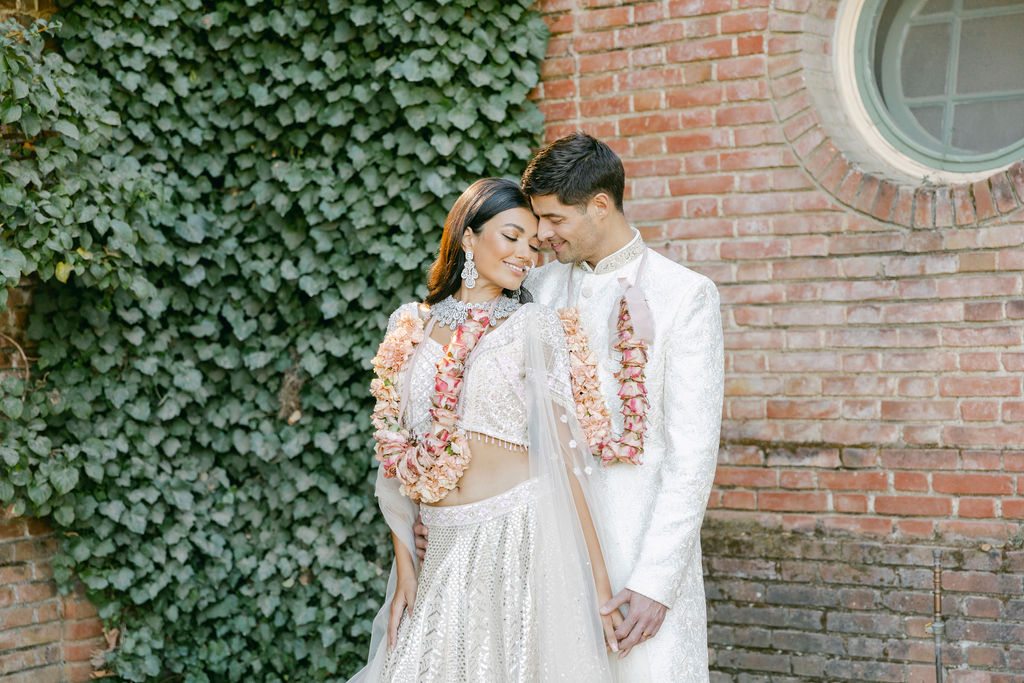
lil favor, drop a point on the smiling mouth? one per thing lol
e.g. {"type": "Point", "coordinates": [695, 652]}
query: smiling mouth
{"type": "Point", "coordinates": [518, 270]}
{"type": "Point", "coordinates": [556, 245]}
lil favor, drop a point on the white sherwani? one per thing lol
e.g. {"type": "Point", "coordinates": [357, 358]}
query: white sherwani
{"type": "Point", "coordinates": [650, 515]}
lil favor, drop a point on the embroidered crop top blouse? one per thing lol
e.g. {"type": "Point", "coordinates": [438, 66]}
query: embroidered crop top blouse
{"type": "Point", "coordinates": [492, 402]}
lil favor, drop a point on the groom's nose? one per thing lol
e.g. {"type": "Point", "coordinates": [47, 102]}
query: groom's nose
{"type": "Point", "coordinates": [544, 230]}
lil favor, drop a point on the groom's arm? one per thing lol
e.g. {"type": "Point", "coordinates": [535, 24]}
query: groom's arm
{"type": "Point", "coordinates": [693, 413]}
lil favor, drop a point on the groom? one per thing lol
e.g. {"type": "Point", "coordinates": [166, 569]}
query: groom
{"type": "Point", "coordinates": [650, 514]}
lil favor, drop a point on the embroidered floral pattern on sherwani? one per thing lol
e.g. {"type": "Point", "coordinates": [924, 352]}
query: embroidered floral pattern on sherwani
{"type": "Point", "coordinates": [629, 253]}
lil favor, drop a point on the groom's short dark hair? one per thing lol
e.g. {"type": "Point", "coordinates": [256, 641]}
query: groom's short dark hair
{"type": "Point", "coordinates": [575, 168]}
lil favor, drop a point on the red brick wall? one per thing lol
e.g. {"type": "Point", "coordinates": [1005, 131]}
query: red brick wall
{"type": "Point", "coordinates": [44, 637]}
{"type": "Point", "coordinates": [873, 332]}
{"type": "Point", "coordinates": [826, 607]}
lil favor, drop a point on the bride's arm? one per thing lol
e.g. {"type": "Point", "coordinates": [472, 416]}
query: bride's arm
{"type": "Point", "coordinates": [604, 589]}
{"type": "Point", "coordinates": [405, 590]}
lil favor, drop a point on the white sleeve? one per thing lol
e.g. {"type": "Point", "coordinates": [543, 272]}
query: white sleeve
{"type": "Point", "coordinates": [693, 391]}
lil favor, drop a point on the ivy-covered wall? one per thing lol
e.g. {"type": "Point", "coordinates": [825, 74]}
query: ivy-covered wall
{"type": "Point", "coordinates": [218, 207]}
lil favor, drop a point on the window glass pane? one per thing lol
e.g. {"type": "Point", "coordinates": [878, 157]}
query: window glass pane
{"type": "Point", "coordinates": [951, 78]}
{"type": "Point", "coordinates": [991, 55]}
{"type": "Point", "coordinates": [980, 127]}
{"type": "Point", "coordinates": [925, 55]}
{"type": "Point", "coordinates": [984, 4]}
{"type": "Point", "coordinates": [929, 118]}
{"type": "Point", "coordinates": [884, 38]}
{"type": "Point", "coordinates": [936, 6]}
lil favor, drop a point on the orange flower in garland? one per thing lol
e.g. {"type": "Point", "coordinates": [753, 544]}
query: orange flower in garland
{"type": "Point", "coordinates": [429, 467]}
{"type": "Point", "coordinates": [391, 357]}
{"type": "Point", "coordinates": [586, 386]}
{"type": "Point", "coordinates": [590, 406]}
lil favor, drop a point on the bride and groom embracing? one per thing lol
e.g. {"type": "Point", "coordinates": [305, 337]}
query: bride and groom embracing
{"type": "Point", "coordinates": [555, 431]}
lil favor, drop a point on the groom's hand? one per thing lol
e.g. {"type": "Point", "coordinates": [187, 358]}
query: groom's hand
{"type": "Point", "coordinates": [643, 620]}
{"type": "Point", "coordinates": [421, 538]}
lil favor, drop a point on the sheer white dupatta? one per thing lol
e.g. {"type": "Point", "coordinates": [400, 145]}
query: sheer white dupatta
{"type": "Point", "coordinates": [571, 639]}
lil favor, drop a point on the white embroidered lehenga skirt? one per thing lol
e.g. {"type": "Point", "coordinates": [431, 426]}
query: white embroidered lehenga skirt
{"type": "Point", "coordinates": [474, 618]}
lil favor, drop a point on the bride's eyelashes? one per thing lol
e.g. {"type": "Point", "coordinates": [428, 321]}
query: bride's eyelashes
{"type": "Point", "coordinates": [511, 238]}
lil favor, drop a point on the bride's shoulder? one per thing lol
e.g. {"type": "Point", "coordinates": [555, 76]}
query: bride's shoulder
{"type": "Point", "coordinates": [410, 307]}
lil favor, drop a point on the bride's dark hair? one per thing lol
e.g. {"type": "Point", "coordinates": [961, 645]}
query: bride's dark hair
{"type": "Point", "coordinates": [481, 202]}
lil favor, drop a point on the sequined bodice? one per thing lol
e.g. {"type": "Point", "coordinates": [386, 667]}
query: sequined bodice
{"type": "Point", "coordinates": [493, 397]}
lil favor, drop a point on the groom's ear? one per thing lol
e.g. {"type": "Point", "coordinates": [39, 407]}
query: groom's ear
{"type": "Point", "coordinates": [599, 205]}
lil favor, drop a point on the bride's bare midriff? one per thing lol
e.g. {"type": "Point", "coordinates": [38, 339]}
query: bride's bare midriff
{"type": "Point", "coordinates": [493, 469]}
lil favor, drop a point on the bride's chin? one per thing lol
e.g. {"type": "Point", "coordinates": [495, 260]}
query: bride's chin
{"type": "Point", "coordinates": [508, 283]}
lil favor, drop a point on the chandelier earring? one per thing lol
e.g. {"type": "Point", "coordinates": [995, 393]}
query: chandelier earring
{"type": "Point", "coordinates": [469, 272]}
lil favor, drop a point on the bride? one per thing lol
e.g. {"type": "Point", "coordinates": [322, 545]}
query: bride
{"type": "Point", "coordinates": [477, 433]}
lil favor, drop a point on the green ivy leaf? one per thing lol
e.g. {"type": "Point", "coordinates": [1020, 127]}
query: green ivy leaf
{"type": "Point", "coordinates": [11, 195]}
{"type": "Point", "coordinates": [113, 509]}
{"type": "Point", "coordinates": [67, 128]}
{"type": "Point", "coordinates": [65, 516]}
{"type": "Point", "coordinates": [64, 479]}
{"type": "Point", "coordinates": [12, 407]}
{"type": "Point", "coordinates": [122, 578]}
{"type": "Point", "coordinates": [39, 492]}
{"type": "Point", "coordinates": [10, 113]}
{"type": "Point", "coordinates": [12, 263]}
{"type": "Point", "coordinates": [6, 492]}
{"type": "Point", "coordinates": [9, 456]}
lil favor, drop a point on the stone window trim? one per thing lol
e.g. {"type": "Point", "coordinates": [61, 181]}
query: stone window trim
{"type": "Point", "coordinates": [818, 126]}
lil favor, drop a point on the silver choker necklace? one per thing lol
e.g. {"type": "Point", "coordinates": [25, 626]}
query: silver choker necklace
{"type": "Point", "coordinates": [451, 313]}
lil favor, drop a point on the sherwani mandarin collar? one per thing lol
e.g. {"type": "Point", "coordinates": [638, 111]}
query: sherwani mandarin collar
{"type": "Point", "coordinates": [627, 254]}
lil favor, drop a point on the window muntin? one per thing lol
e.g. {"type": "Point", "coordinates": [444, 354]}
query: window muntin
{"type": "Point", "coordinates": [944, 79]}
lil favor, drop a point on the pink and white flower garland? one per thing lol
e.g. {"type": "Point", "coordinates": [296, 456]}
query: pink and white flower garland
{"type": "Point", "coordinates": [586, 388]}
{"type": "Point", "coordinates": [429, 467]}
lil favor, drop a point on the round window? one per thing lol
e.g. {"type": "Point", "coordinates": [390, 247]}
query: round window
{"type": "Point", "coordinates": [943, 80]}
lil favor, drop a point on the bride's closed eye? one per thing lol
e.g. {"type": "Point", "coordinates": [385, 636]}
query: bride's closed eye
{"type": "Point", "coordinates": [513, 238]}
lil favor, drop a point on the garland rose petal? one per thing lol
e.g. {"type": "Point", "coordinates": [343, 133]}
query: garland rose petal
{"type": "Point", "coordinates": [392, 355]}
{"type": "Point", "coordinates": [586, 388]}
{"type": "Point", "coordinates": [431, 466]}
